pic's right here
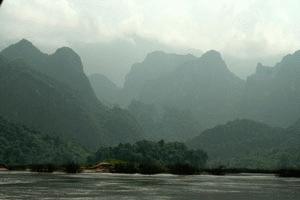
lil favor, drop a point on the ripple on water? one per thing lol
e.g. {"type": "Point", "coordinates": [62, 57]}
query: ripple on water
{"type": "Point", "coordinates": [162, 186]}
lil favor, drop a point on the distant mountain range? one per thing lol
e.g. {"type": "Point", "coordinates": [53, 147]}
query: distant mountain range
{"type": "Point", "coordinates": [210, 92]}
{"type": "Point", "coordinates": [64, 66]}
{"type": "Point", "coordinates": [51, 93]}
{"type": "Point", "coordinates": [272, 94]}
{"type": "Point", "coordinates": [156, 65]}
{"type": "Point", "coordinates": [166, 96]}
{"type": "Point", "coordinates": [105, 90]}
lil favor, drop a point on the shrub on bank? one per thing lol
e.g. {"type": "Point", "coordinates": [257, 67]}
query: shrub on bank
{"type": "Point", "coordinates": [72, 168]}
{"type": "Point", "coordinates": [183, 169]}
{"type": "Point", "coordinates": [149, 157]}
{"type": "Point", "coordinates": [47, 168]}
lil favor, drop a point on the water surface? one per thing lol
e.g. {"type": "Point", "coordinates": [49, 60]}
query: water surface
{"type": "Point", "coordinates": [25, 185]}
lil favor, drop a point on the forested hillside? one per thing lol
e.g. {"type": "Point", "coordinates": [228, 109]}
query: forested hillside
{"type": "Point", "coordinates": [21, 145]}
{"type": "Point", "coordinates": [249, 144]}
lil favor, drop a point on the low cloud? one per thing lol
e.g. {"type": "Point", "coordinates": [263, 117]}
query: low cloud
{"type": "Point", "coordinates": [237, 27]}
{"type": "Point", "coordinates": [243, 29]}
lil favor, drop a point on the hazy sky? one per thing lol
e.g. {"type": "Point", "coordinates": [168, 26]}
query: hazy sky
{"type": "Point", "coordinates": [240, 28]}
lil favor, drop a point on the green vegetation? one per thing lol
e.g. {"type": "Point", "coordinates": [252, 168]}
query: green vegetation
{"type": "Point", "coordinates": [21, 145]}
{"type": "Point", "coordinates": [250, 145]}
{"type": "Point", "coordinates": [152, 157]}
{"type": "Point", "coordinates": [72, 168]}
{"type": "Point", "coordinates": [68, 167]}
{"type": "Point", "coordinates": [289, 173]}
{"type": "Point", "coordinates": [176, 98]}
{"type": "Point", "coordinates": [45, 168]}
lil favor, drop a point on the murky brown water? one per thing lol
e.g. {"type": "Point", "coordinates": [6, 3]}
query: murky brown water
{"type": "Point", "coordinates": [23, 185]}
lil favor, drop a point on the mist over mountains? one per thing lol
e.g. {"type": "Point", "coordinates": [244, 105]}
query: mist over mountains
{"type": "Point", "coordinates": [51, 93]}
{"type": "Point", "coordinates": [272, 93]}
{"type": "Point", "coordinates": [166, 96]}
{"type": "Point", "coordinates": [176, 97]}
{"type": "Point", "coordinates": [209, 91]}
{"type": "Point", "coordinates": [99, 57]}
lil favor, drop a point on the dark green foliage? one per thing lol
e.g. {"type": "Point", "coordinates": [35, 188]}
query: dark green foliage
{"type": "Point", "coordinates": [121, 126]}
{"type": "Point", "coordinates": [151, 168]}
{"type": "Point", "coordinates": [151, 157]}
{"type": "Point", "coordinates": [183, 169]}
{"type": "Point", "coordinates": [72, 168]}
{"type": "Point", "coordinates": [295, 128]}
{"type": "Point", "coordinates": [45, 168]}
{"type": "Point", "coordinates": [21, 145]}
{"type": "Point", "coordinates": [249, 144]}
{"type": "Point", "coordinates": [218, 171]}
{"type": "Point", "coordinates": [289, 173]}
{"type": "Point", "coordinates": [126, 167]}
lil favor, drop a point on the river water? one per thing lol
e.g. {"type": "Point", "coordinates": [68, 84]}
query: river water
{"type": "Point", "coordinates": [25, 185]}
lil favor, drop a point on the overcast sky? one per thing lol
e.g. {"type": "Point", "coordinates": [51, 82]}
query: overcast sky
{"type": "Point", "coordinates": [242, 28]}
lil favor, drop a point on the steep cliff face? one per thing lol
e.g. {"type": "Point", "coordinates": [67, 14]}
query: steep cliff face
{"type": "Point", "coordinates": [64, 66]}
{"type": "Point", "coordinates": [204, 86]}
{"type": "Point", "coordinates": [106, 91]}
{"type": "Point", "coordinates": [52, 93]}
{"type": "Point", "coordinates": [155, 65]}
{"type": "Point", "coordinates": [272, 94]}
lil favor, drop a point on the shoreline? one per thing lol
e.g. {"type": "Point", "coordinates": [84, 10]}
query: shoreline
{"type": "Point", "coordinates": [284, 173]}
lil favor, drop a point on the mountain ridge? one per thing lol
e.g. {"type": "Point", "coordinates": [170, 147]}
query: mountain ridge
{"type": "Point", "coordinates": [53, 100]}
{"type": "Point", "coordinates": [244, 143]}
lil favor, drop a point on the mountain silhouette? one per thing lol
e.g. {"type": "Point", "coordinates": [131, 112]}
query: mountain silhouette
{"type": "Point", "coordinates": [52, 94]}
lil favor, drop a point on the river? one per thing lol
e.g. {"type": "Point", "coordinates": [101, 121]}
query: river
{"type": "Point", "coordinates": [26, 185]}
